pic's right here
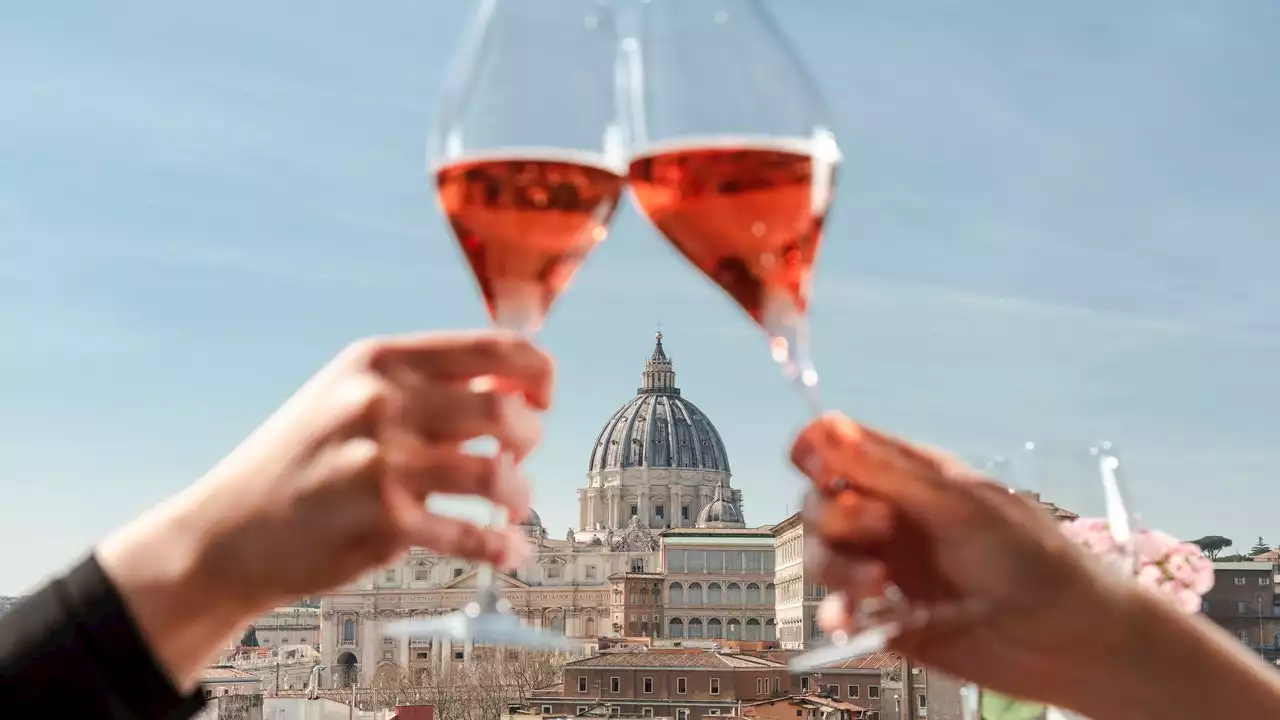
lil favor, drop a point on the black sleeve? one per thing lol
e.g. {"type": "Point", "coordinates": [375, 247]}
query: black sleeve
{"type": "Point", "coordinates": [72, 650]}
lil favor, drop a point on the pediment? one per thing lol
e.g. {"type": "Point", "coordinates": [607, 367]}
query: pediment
{"type": "Point", "coordinates": [468, 582]}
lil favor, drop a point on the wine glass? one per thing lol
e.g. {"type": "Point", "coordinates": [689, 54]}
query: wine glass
{"type": "Point", "coordinates": [734, 162]}
{"type": "Point", "coordinates": [529, 166]}
{"type": "Point", "coordinates": [1080, 485]}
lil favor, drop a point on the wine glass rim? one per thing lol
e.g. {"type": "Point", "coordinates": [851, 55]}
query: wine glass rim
{"type": "Point", "coordinates": [593, 158]}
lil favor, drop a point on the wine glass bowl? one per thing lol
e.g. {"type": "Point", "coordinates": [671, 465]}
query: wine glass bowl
{"type": "Point", "coordinates": [733, 160]}
{"type": "Point", "coordinates": [734, 163]}
{"type": "Point", "coordinates": [529, 163]}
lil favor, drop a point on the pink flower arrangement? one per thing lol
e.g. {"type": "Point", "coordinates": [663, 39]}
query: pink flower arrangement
{"type": "Point", "coordinates": [1175, 570]}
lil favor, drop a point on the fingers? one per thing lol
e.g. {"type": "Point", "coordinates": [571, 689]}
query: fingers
{"type": "Point", "coordinates": [857, 576]}
{"type": "Point", "coordinates": [446, 470]}
{"type": "Point", "coordinates": [835, 452]}
{"type": "Point", "coordinates": [457, 413]}
{"type": "Point", "coordinates": [849, 520]}
{"type": "Point", "coordinates": [505, 548]}
{"type": "Point", "coordinates": [456, 357]}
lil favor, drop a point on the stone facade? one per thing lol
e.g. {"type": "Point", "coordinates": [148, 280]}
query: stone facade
{"type": "Point", "coordinates": [797, 596]}
{"type": "Point", "coordinates": [638, 564]}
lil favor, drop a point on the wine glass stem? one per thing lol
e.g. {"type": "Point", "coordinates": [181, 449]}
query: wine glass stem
{"type": "Point", "coordinates": [522, 318]}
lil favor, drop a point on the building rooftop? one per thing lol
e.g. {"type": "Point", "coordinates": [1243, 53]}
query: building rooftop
{"type": "Point", "coordinates": [873, 661]}
{"type": "Point", "coordinates": [1248, 565]}
{"type": "Point", "coordinates": [695, 660]}
{"type": "Point", "coordinates": [222, 674]}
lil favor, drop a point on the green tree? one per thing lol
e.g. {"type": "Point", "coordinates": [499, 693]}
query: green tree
{"type": "Point", "coordinates": [1259, 547]}
{"type": "Point", "coordinates": [1212, 545]}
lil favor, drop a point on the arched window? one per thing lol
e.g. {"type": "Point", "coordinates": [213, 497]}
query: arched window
{"type": "Point", "coordinates": [675, 628]}
{"type": "Point", "coordinates": [753, 594]}
{"type": "Point", "coordinates": [770, 594]}
{"type": "Point", "coordinates": [753, 629]}
{"type": "Point", "coordinates": [557, 622]}
{"type": "Point", "coordinates": [348, 631]}
{"type": "Point", "coordinates": [695, 628]}
{"type": "Point", "coordinates": [734, 595]}
{"type": "Point", "coordinates": [715, 629]}
{"type": "Point", "coordinates": [770, 630]}
{"type": "Point", "coordinates": [590, 626]}
{"type": "Point", "coordinates": [694, 596]}
{"type": "Point", "coordinates": [714, 594]}
{"type": "Point", "coordinates": [735, 629]}
{"type": "Point", "coordinates": [675, 594]}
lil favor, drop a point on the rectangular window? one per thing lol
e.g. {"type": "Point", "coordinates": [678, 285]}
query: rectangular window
{"type": "Point", "coordinates": [615, 684]}
{"type": "Point", "coordinates": [682, 714]}
{"type": "Point", "coordinates": [459, 654]}
{"type": "Point", "coordinates": [637, 565]}
{"type": "Point", "coordinates": [546, 709]}
{"type": "Point", "coordinates": [853, 692]}
{"type": "Point", "coordinates": [685, 513]}
{"type": "Point", "coordinates": [873, 692]}
{"type": "Point", "coordinates": [713, 711]}
{"type": "Point", "coordinates": [580, 710]}
{"type": "Point", "coordinates": [660, 512]}
{"type": "Point", "coordinates": [804, 684]}
{"type": "Point", "coordinates": [680, 686]}
{"type": "Point", "coordinates": [553, 572]}
{"type": "Point", "coordinates": [715, 686]}
{"type": "Point", "coordinates": [635, 510]}
{"type": "Point", "coordinates": [1239, 580]}
{"type": "Point", "coordinates": [648, 684]}
{"type": "Point", "coordinates": [582, 683]}
{"type": "Point", "coordinates": [422, 575]}
{"type": "Point", "coordinates": [457, 573]}
{"type": "Point", "coordinates": [924, 701]}
{"type": "Point", "coordinates": [675, 561]}
{"type": "Point", "coordinates": [390, 575]}
{"type": "Point", "coordinates": [1264, 581]}
{"type": "Point", "coordinates": [614, 711]}
{"type": "Point", "coordinates": [591, 572]}
{"type": "Point", "coordinates": [646, 712]}
{"type": "Point", "coordinates": [833, 691]}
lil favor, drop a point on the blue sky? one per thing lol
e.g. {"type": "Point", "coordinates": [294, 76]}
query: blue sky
{"type": "Point", "coordinates": [1053, 222]}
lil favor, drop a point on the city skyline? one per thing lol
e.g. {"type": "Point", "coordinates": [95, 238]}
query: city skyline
{"type": "Point", "coordinates": [1051, 224]}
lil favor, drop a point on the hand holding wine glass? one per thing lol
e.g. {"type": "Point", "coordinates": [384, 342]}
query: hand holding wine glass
{"type": "Point", "coordinates": [1027, 607]}
{"type": "Point", "coordinates": [528, 162]}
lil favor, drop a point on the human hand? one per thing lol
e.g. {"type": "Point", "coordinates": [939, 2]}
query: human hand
{"type": "Point", "coordinates": [1028, 609]}
{"type": "Point", "coordinates": [335, 482]}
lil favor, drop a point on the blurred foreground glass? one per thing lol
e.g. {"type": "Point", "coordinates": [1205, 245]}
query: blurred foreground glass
{"type": "Point", "coordinates": [1081, 486]}
{"type": "Point", "coordinates": [734, 162]}
{"type": "Point", "coordinates": [529, 165]}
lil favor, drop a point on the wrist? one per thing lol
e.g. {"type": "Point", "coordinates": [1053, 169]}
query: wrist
{"type": "Point", "coordinates": [161, 567]}
{"type": "Point", "coordinates": [1155, 647]}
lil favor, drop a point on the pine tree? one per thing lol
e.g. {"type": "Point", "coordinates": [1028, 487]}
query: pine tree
{"type": "Point", "coordinates": [1259, 547]}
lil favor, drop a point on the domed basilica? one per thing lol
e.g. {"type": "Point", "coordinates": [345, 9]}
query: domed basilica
{"type": "Point", "coordinates": [661, 550]}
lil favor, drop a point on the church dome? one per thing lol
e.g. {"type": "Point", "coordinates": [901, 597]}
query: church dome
{"type": "Point", "coordinates": [531, 519]}
{"type": "Point", "coordinates": [659, 428]}
{"type": "Point", "coordinates": [720, 512]}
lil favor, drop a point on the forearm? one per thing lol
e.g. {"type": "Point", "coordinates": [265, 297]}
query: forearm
{"type": "Point", "coordinates": [1165, 652]}
{"type": "Point", "coordinates": [159, 565]}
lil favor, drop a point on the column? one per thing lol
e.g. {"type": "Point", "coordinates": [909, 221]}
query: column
{"type": "Point", "coordinates": [674, 510]}
{"type": "Point", "coordinates": [405, 652]}
{"type": "Point", "coordinates": [645, 515]}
